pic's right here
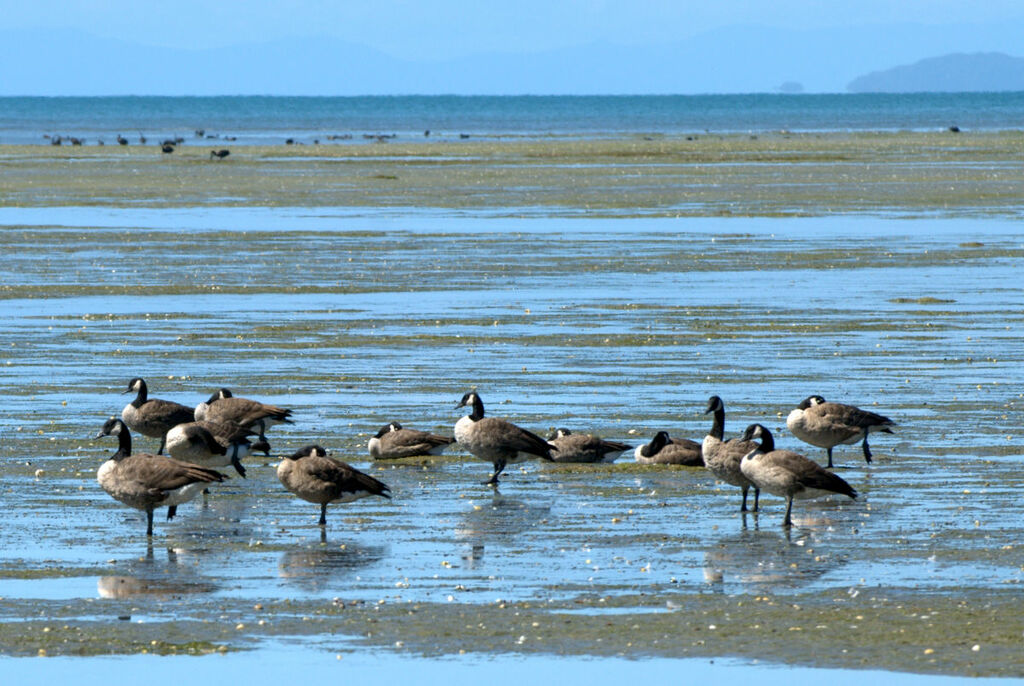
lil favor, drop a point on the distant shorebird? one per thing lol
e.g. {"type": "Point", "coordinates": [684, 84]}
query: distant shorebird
{"type": "Point", "coordinates": [317, 478]}
{"type": "Point", "coordinates": [153, 417]}
{"type": "Point", "coordinates": [167, 148]}
{"type": "Point", "coordinates": [584, 448]}
{"type": "Point", "coordinates": [210, 444]}
{"type": "Point", "coordinates": [220, 154]}
{"type": "Point", "coordinates": [723, 458]}
{"type": "Point", "coordinates": [223, 407]}
{"type": "Point", "coordinates": [495, 440]}
{"type": "Point", "coordinates": [826, 425]}
{"type": "Point", "coordinates": [788, 474]}
{"type": "Point", "coordinates": [665, 450]}
{"type": "Point", "coordinates": [122, 140]}
{"type": "Point", "coordinates": [393, 442]}
{"type": "Point", "coordinates": [145, 481]}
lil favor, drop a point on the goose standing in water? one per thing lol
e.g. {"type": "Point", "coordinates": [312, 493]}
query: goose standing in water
{"type": "Point", "coordinates": [394, 442]}
{"type": "Point", "coordinates": [664, 450]}
{"type": "Point", "coordinates": [210, 444]}
{"type": "Point", "coordinates": [496, 440]}
{"type": "Point", "coordinates": [788, 474]}
{"type": "Point", "coordinates": [153, 417]}
{"type": "Point", "coordinates": [584, 447]}
{"type": "Point", "coordinates": [317, 478]}
{"type": "Point", "coordinates": [225, 408]}
{"type": "Point", "coordinates": [145, 481]}
{"type": "Point", "coordinates": [722, 458]}
{"type": "Point", "coordinates": [826, 425]}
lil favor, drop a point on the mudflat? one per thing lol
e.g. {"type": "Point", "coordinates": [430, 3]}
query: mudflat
{"type": "Point", "coordinates": [775, 174]}
{"type": "Point", "coordinates": [365, 283]}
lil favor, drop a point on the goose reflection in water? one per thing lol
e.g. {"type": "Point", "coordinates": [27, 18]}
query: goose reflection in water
{"type": "Point", "coordinates": [317, 566]}
{"type": "Point", "coordinates": [148, 576]}
{"type": "Point", "coordinates": [497, 520]}
{"type": "Point", "coordinates": [771, 560]}
{"type": "Point", "coordinates": [133, 586]}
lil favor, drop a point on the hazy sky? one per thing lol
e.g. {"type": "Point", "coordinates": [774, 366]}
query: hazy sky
{"type": "Point", "coordinates": [440, 29]}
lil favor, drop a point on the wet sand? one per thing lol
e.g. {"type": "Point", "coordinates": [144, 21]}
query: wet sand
{"type": "Point", "coordinates": [615, 318]}
{"type": "Point", "coordinates": [777, 174]}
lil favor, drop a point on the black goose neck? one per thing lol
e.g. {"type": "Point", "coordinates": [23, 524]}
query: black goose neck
{"type": "Point", "coordinates": [142, 396]}
{"type": "Point", "coordinates": [478, 409]}
{"type": "Point", "coordinates": [767, 441]}
{"type": "Point", "coordinates": [124, 444]}
{"type": "Point", "coordinates": [654, 447]}
{"type": "Point", "coordinates": [718, 424]}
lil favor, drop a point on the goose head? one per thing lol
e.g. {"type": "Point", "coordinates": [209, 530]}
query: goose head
{"type": "Point", "coordinates": [112, 427]}
{"type": "Point", "coordinates": [714, 405]}
{"type": "Point", "coordinates": [308, 451]}
{"type": "Point", "coordinates": [136, 385]}
{"type": "Point", "coordinates": [810, 401]}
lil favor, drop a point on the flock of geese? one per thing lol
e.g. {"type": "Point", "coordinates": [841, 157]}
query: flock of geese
{"type": "Point", "coordinates": [225, 429]}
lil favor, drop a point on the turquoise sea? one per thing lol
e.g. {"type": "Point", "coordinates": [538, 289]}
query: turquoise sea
{"type": "Point", "coordinates": [255, 120]}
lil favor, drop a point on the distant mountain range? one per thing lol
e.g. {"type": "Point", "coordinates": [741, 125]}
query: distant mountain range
{"type": "Point", "coordinates": [991, 71]}
{"type": "Point", "coordinates": [735, 59]}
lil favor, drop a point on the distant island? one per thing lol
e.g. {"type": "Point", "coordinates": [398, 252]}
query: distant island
{"type": "Point", "coordinates": [991, 71]}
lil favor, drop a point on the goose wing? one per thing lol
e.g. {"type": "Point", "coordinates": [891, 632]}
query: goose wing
{"type": "Point", "coordinates": [416, 440]}
{"type": "Point", "coordinates": [156, 474]}
{"type": "Point", "coordinates": [243, 411]}
{"type": "Point", "coordinates": [342, 478]}
{"type": "Point", "coordinates": [853, 418]}
{"type": "Point", "coordinates": [809, 474]}
{"type": "Point", "coordinates": [516, 438]}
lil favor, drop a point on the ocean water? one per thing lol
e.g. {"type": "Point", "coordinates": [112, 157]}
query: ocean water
{"type": "Point", "coordinates": [256, 120]}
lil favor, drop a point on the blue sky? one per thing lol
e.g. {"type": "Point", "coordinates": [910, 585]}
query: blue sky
{"type": "Point", "coordinates": [443, 29]}
{"type": "Point", "coordinates": [322, 47]}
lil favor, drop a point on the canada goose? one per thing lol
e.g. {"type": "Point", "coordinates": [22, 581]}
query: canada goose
{"type": "Point", "coordinates": [584, 447]}
{"type": "Point", "coordinates": [665, 450]}
{"type": "Point", "coordinates": [317, 478]}
{"type": "Point", "coordinates": [210, 444]}
{"type": "Point", "coordinates": [826, 425]}
{"type": "Point", "coordinates": [393, 442]}
{"type": "Point", "coordinates": [145, 481]}
{"type": "Point", "coordinates": [220, 154]}
{"type": "Point", "coordinates": [788, 474]}
{"type": "Point", "coordinates": [495, 440]}
{"type": "Point", "coordinates": [151, 416]}
{"type": "Point", "coordinates": [223, 407]}
{"type": "Point", "coordinates": [167, 148]}
{"type": "Point", "coordinates": [722, 457]}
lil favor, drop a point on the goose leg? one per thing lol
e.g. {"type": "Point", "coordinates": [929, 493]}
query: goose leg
{"type": "Point", "coordinates": [163, 444]}
{"type": "Point", "coordinates": [171, 511]}
{"type": "Point", "coordinates": [323, 514]}
{"type": "Point", "coordinates": [235, 461]}
{"type": "Point", "coordinates": [757, 497]}
{"type": "Point", "coordinates": [867, 450]}
{"type": "Point", "coordinates": [788, 521]}
{"type": "Point", "coordinates": [743, 507]}
{"type": "Point", "coordinates": [499, 467]}
{"type": "Point", "coordinates": [829, 459]}
{"type": "Point", "coordinates": [149, 522]}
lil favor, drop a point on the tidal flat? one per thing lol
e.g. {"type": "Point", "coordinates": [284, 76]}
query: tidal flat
{"type": "Point", "coordinates": [588, 290]}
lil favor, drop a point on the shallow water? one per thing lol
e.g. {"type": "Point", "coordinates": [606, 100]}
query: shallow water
{"type": "Point", "coordinates": [622, 327]}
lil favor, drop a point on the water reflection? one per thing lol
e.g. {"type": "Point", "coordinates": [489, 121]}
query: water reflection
{"type": "Point", "coordinates": [315, 568]}
{"type": "Point", "coordinates": [131, 586]}
{"type": "Point", "coordinates": [771, 560]}
{"type": "Point", "coordinates": [152, 576]}
{"type": "Point", "coordinates": [498, 520]}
